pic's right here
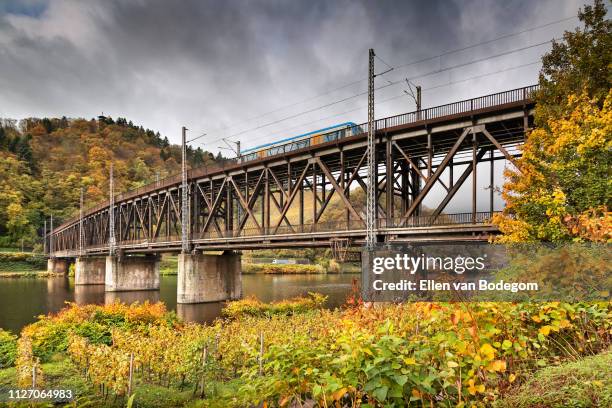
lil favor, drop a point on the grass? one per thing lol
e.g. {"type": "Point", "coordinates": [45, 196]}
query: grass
{"type": "Point", "coordinates": [583, 383]}
{"type": "Point", "coordinates": [168, 265]}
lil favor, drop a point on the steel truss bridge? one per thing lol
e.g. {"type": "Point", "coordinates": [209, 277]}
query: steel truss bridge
{"type": "Point", "coordinates": [314, 196]}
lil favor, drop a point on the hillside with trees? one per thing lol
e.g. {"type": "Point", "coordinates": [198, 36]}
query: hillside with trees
{"type": "Point", "coordinates": [45, 162]}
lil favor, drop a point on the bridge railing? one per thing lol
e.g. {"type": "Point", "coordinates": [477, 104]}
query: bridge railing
{"type": "Point", "coordinates": [456, 219]}
{"type": "Point", "coordinates": [480, 217]}
{"type": "Point", "coordinates": [436, 112]}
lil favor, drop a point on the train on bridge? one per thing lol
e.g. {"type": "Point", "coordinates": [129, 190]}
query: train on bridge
{"type": "Point", "coordinates": [313, 138]}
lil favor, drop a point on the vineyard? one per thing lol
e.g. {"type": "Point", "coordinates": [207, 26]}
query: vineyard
{"type": "Point", "coordinates": [420, 354]}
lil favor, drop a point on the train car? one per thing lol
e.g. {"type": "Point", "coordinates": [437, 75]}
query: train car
{"type": "Point", "coordinates": [316, 137]}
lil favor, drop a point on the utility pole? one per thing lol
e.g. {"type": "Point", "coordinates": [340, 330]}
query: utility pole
{"type": "Point", "coordinates": [111, 214]}
{"type": "Point", "coordinates": [418, 102]}
{"type": "Point", "coordinates": [371, 160]}
{"type": "Point", "coordinates": [227, 142]}
{"type": "Point", "coordinates": [81, 224]}
{"type": "Point", "coordinates": [45, 237]}
{"type": "Point", "coordinates": [417, 98]}
{"type": "Point", "coordinates": [184, 196]}
{"type": "Point", "coordinates": [51, 238]}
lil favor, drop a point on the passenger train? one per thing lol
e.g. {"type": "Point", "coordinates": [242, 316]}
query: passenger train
{"type": "Point", "coordinates": [316, 137]}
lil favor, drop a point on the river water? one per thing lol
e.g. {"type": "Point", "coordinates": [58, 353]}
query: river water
{"type": "Point", "coordinates": [23, 299]}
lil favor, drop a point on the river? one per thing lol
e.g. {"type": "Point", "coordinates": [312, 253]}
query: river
{"type": "Point", "coordinates": [23, 299]}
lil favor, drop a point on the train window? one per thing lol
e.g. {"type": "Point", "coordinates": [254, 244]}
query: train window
{"type": "Point", "coordinates": [330, 136]}
{"type": "Point", "coordinates": [249, 157]}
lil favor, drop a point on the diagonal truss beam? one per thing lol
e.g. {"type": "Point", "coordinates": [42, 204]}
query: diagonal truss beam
{"type": "Point", "coordinates": [214, 207]}
{"type": "Point", "coordinates": [431, 180]}
{"type": "Point", "coordinates": [499, 147]}
{"type": "Point", "coordinates": [244, 204]}
{"type": "Point", "coordinates": [457, 185]}
{"type": "Point", "coordinates": [338, 189]}
{"type": "Point", "coordinates": [289, 201]}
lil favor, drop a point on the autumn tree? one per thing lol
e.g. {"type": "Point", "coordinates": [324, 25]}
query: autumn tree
{"type": "Point", "coordinates": [561, 187]}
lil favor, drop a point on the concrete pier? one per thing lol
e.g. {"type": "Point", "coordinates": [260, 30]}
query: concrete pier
{"type": "Point", "coordinates": [89, 271]}
{"type": "Point", "coordinates": [128, 273]}
{"type": "Point", "coordinates": [58, 265]}
{"type": "Point", "coordinates": [209, 278]}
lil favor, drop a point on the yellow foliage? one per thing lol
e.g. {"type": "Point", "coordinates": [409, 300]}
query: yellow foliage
{"type": "Point", "coordinates": [562, 175]}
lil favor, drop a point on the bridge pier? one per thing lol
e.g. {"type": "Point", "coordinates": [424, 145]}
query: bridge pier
{"type": "Point", "coordinates": [127, 273]}
{"type": "Point", "coordinates": [58, 265]}
{"type": "Point", "coordinates": [89, 271]}
{"type": "Point", "coordinates": [209, 278]}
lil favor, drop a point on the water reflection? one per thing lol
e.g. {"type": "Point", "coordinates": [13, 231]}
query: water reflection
{"type": "Point", "coordinates": [22, 299]}
{"type": "Point", "coordinates": [88, 294]}
{"type": "Point", "coordinates": [200, 313]}
{"type": "Point", "coordinates": [140, 296]}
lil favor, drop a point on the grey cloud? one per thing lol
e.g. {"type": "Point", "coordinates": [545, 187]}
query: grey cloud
{"type": "Point", "coordinates": [207, 64]}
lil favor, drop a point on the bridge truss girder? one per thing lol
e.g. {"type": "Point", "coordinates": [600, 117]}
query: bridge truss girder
{"type": "Point", "coordinates": [311, 198]}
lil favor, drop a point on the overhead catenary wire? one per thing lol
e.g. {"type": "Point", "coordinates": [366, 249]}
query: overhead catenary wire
{"type": "Point", "coordinates": [454, 82]}
{"type": "Point", "coordinates": [410, 63]}
{"type": "Point", "coordinates": [389, 84]}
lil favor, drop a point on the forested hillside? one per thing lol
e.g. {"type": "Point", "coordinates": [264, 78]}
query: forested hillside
{"type": "Point", "coordinates": [45, 162]}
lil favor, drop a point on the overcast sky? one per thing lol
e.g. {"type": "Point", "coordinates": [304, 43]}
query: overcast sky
{"type": "Point", "coordinates": [215, 65]}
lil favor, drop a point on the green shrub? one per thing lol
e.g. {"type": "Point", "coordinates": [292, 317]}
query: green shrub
{"type": "Point", "coordinates": [281, 269]}
{"type": "Point", "coordinates": [251, 306]}
{"type": "Point", "coordinates": [8, 349]}
{"type": "Point", "coordinates": [22, 261]}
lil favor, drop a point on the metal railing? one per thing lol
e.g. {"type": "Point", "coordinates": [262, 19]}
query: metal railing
{"type": "Point", "coordinates": [523, 94]}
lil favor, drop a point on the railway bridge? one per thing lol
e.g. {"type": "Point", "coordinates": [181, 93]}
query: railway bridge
{"type": "Point", "coordinates": [311, 195]}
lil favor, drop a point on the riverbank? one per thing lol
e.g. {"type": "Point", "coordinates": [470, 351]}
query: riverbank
{"type": "Point", "coordinates": [24, 262]}
{"type": "Point", "coordinates": [411, 354]}
{"type": "Point", "coordinates": [33, 274]}
{"type": "Point", "coordinates": [169, 267]}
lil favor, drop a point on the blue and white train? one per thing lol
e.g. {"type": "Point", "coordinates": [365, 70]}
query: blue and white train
{"type": "Point", "coordinates": [316, 137]}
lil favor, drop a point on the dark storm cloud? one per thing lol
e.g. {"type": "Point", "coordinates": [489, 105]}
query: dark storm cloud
{"type": "Point", "coordinates": [208, 64]}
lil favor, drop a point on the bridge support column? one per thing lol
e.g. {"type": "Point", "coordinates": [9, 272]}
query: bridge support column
{"type": "Point", "coordinates": [127, 273]}
{"type": "Point", "coordinates": [209, 278]}
{"type": "Point", "coordinates": [58, 265]}
{"type": "Point", "coordinates": [89, 271]}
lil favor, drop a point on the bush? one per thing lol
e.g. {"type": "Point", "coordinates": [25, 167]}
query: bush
{"type": "Point", "coordinates": [22, 261]}
{"type": "Point", "coordinates": [50, 334]}
{"type": "Point", "coordinates": [282, 269]}
{"type": "Point", "coordinates": [8, 349]}
{"type": "Point", "coordinates": [251, 306]}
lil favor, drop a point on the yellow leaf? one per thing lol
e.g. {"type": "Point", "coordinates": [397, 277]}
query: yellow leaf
{"type": "Point", "coordinates": [497, 365]}
{"type": "Point", "coordinates": [473, 389]}
{"type": "Point", "coordinates": [564, 324]}
{"type": "Point", "coordinates": [487, 351]}
{"type": "Point", "coordinates": [410, 361]}
{"type": "Point", "coordinates": [545, 330]}
{"type": "Point", "coordinates": [452, 364]}
{"type": "Point", "coordinates": [511, 378]}
{"type": "Point", "coordinates": [339, 394]}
